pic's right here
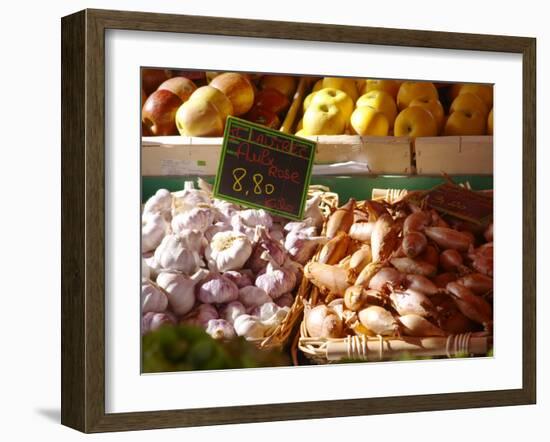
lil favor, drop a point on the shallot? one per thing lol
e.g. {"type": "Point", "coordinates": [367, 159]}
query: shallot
{"type": "Point", "coordinates": [417, 267]}
{"type": "Point", "coordinates": [415, 325]}
{"type": "Point", "coordinates": [323, 322]}
{"type": "Point", "coordinates": [412, 302]}
{"type": "Point", "coordinates": [448, 238]}
{"type": "Point", "coordinates": [378, 321]}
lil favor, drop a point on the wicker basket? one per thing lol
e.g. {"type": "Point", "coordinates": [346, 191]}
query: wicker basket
{"type": "Point", "coordinates": [279, 337]}
{"type": "Point", "coordinates": [378, 348]}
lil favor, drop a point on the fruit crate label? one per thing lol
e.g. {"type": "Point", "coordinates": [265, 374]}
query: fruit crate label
{"type": "Point", "coordinates": [264, 169]}
{"type": "Point", "coordinates": [461, 203]}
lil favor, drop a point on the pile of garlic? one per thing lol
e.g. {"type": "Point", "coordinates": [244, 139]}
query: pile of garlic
{"type": "Point", "coordinates": [211, 263]}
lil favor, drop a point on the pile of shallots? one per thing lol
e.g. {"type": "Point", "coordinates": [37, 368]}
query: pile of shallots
{"type": "Point", "coordinates": [213, 264]}
{"type": "Point", "coordinates": [398, 270]}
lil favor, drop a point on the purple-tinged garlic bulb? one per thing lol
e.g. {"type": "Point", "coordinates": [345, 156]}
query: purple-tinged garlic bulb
{"type": "Point", "coordinates": [276, 280]}
{"type": "Point", "coordinates": [153, 299]}
{"type": "Point", "coordinates": [264, 243]}
{"type": "Point", "coordinates": [220, 329]}
{"type": "Point", "coordinates": [218, 289]}
{"type": "Point", "coordinates": [252, 296]}
{"type": "Point", "coordinates": [200, 316]}
{"type": "Point", "coordinates": [180, 252]}
{"type": "Point", "coordinates": [180, 289]}
{"type": "Point", "coordinates": [153, 321]}
{"type": "Point", "coordinates": [242, 278]}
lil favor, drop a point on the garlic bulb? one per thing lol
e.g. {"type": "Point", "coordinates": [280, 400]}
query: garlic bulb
{"type": "Point", "coordinates": [153, 267]}
{"type": "Point", "coordinates": [218, 289]}
{"type": "Point", "coordinates": [285, 300]}
{"type": "Point", "coordinates": [228, 251]}
{"type": "Point", "coordinates": [264, 243]}
{"type": "Point", "coordinates": [180, 289]}
{"type": "Point", "coordinates": [215, 228]}
{"type": "Point", "coordinates": [224, 210]}
{"type": "Point", "coordinates": [232, 311]}
{"type": "Point", "coordinates": [242, 278]}
{"type": "Point", "coordinates": [220, 329]}
{"type": "Point", "coordinates": [300, 225]}
{"type": "Point", "coordinates": [265, 311]}
{"type": "Point", "coordinates": [255, 217]}
{"type": "Point", "coordinates": [239, 226]}
{"type": "Point", "coordinates": [152, 298]}
{"type": "Point", "coordinates": [152, 321]}
{"type": "Point", "coordinates": [145, 270]}
{"type": "Point", "coordinates": [198, 218]}
{"type": "Point", "coordinates": [180, 252]}
{"type": "Point", "coordinates": [323, 322]}
{"type": "Point", "coordinates": [153, 229]}
{"type": "Point", "coordinates": [302, 246]}
{"type": "Point", "coordinates": [271, 322]}
{"type": "Point", "coordinates": [313, 211]}
{"type": "Point", "coordinates": [189, 198]}
{"type": "Point", "coordinates": [249, 326]}
{"type": "Point", "coordinates": [200, 316]}
{"type": "Point", "coordinates": [276, 280]}
{"type": "Point", "coordinates": [252, 296]}
{"type": "Point", "coordinates": [160, 202]}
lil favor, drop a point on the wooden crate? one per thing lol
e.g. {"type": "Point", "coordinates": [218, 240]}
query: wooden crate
{"type": "Point", "coordinates": [176, 155]}
{"type": "Point", "coordinates": [454, 155]}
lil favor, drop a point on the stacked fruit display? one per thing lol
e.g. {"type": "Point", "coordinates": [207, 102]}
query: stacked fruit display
{"type": "Point", "coordinates": [391, 107]}
{"type": "Point", "coordinates": [199, 108]}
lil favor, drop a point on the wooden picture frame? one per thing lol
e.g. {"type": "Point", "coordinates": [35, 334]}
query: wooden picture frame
{"type": "Point", "coordinates": [83, 216]}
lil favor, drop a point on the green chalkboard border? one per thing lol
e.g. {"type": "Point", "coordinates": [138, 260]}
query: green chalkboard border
{"type": "Point", "coordinates": [216, 191]}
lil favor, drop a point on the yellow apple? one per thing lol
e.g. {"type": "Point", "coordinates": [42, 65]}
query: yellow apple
{"type": "Point", "coordinates": [415, 122]}
{"type": "Point", "coordinates": [483, 91]}
{"type": "Point", "coordinates": [366, 120]}
{"type": "Point", "coordinates": [216, 97]}
{"type": "Point", "coordinates": [283, 83]}
{"type": "Point", "coordinates": [468, 102]}
{"type": "Point", "coordinates": [490, 123]}
{"type": "Point", "coordinates": [238, 89]}
{"type": "Point", "coordinates": [307, 100]}
{"type": "Point", "coordinates": [302, 133]}
{"type": "Point", "coordinates": [389, 86]}
{"type": "Point", "coordinates": [410, 90]}
{"type": "Point", "coordinates": [344, 84]}
{"type": "Point", "coordinates": [324, 119]}
{"type": "Point", "coordinates": [199, 118]}
{"type": "Point", "coordinates": [434, 106]}
{"type": "Point", "coordinates": [334, 96]}
{"type": "Point", "coordinates": [462, 122]}
{"type": "Point", "coordinates": [381, 101]}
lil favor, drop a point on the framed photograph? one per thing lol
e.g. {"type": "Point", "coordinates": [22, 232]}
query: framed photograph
{"type": "Point", "coordinates": [302, 208]}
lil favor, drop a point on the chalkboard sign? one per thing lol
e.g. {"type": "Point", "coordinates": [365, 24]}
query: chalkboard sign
{"type": "Point", "coordinates": [461, 203]}
{"type": "Point", "coordinates": [264, 168]}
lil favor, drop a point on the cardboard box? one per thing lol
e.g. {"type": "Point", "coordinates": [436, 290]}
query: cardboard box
{"type": "Point", "coordinates": [454, 155]}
